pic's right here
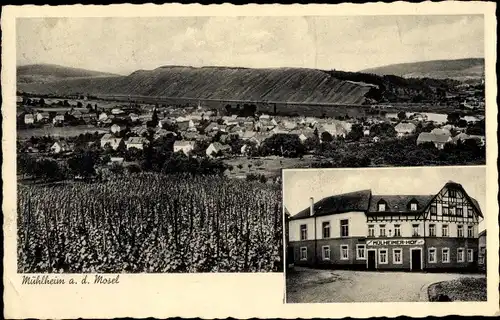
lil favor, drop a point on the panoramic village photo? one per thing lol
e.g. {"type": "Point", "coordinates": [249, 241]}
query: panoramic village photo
{"type": "Point", "coordinates": [157, 144]}
{"type": "Point", "coordinates": [385, 235]}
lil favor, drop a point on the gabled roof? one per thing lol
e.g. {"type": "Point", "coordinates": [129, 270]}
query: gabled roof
{"type": "Point", "coordinates": [220, 147]}
{"type": "Point", "coordinates": [430, 137]}
{"type": "Point", "coordinates": [405, 127]}
{"type": "Point", "coordinates": [482, 233]}
{"type": "Point", "coordinates": [399, 203]}
{"type": "Point", "coordinates": [352, 201]}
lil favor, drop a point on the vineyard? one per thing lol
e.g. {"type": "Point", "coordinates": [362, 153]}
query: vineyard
{"type": "Point", "coordinates": [150, 223]}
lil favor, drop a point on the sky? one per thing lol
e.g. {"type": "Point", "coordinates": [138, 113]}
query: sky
{"type": "Point", "coordinates": [351, 43]}
{"type": "Point", "coordinates": [301, 185]}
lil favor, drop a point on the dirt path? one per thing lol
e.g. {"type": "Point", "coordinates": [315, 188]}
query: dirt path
{"type": "Point", "coordinates": [312, 286]}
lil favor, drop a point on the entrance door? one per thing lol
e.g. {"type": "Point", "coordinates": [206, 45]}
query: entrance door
{"type": "Point", "coordinates": [289, 256]}
{"type": "Point", "coordinates": [416, 260]}
{"type": "Point", "coordinates": [372, 258]}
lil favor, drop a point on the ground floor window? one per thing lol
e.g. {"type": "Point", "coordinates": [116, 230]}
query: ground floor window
{"type": "Point", "coordinates": [445, 254]}
{"type": "Point", "coordinates": [460, 254]}
{"type": "Point", "coordinates": [397, 256]}
{"type": "Point", "coordinates": [470, 255]}
{"type": "Point", "coordinates": [360, 252]}
{"type": "Point", "coordinates": [303, 253]}
{"type": "Point", "coordinates": [344, 252]}
{"type": "Point", "coordinates": [326, 252]}
{"type": "Point", "coordinates": [432, 255]}
{"type": "Point", "coordinates": [382, 256]}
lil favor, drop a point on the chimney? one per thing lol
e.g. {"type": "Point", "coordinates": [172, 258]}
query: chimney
{"type": "Point", "coordinates": [311, 208]}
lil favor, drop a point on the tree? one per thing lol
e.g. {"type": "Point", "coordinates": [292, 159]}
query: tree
{"type": "Point", "coordinates": [47, 169]}
{"type": "Point", "coordinates": [282, 144]}
{"type": "Point", "coordinates": [82, 164]}
{"type": "Point", "coordinates": [326, 137]}
{"type": "Point", "coordinates": [462, 123]}
{"type": "Point", "coordinates": [41, 102]}
{"type": "Point", "coordinates": [79, 104]}
{"type": "Point", "coordinates": [356, 132]}
{"type": "Point", "coordinates": [401, 115]}
{"type": "Point", "coordinates": [453, 117]}
{"type": "Point", "coordinates": [383, 129]}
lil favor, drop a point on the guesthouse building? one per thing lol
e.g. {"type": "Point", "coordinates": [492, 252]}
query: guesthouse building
{"type": "Point", "coordinates": [360, 230]}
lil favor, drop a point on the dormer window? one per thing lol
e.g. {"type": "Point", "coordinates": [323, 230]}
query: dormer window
{"type": "Point", "coordinates": [382, 205]}
{"type": "Point", "coordinates": [413, 206]}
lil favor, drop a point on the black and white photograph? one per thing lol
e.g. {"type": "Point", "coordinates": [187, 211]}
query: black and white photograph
{"type": "Point", "coordinates": [249, 161]}
{"type": "Point", "coordinates": [386, 235]}
{"type": "Point", "coordinates": [156, 144]}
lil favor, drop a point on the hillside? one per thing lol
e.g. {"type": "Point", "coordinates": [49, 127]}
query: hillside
{"type": "Point", "coordinates": [220, 83]}
{"type": "Point", "coordinates": [460, 69]}
{"type": "Point", "coordinates": [42, 73]}
{"type": "Point", "coordinates": [297, 85]}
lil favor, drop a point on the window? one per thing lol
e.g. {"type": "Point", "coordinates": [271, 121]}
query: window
{"type": "Point", "coordinates": [371, 230]}
{"type": "Point", "coordinates": [452, 193]}
{"type": "Point", "coordinates": [413, 206]}
{"type": "Point", "coordinates": [397, 256]}
{"type": "Point", "coordinates": [469, 213]}
{"type": "Point", "coordinates": [460, 255]}
{"type": "Point", "coordinates": [432, 255]}
{"type": "Point", "coordinates": [344, 252]}
{"type": "Point", "coordinates": [451, 211]}
{"type": "Point", "coordinates": [470, 232]}
{"type": "Point", "coordinates": [445, 254]}
{"type": "Point", "coordinates": [446, 211]}
{"type": "Point", "coordinates": [470, 255]}
{"type": "Point", "coordinates": [326, 229]}
{"type": "Point", "coordinates": [460, 212]}
{"type": "Point", "coordinates": [382, 256]}
{"type": "Point", "coordinates": [382, 230]}
{"type": "Point", "coordinates": [303, 232]}
{"type": "Point", "coordinates": [445, 230]}
{"type": "Point", "coordinates": [433, 210]}
{"type": "Point", "coordinates": [381, 206]}
{"type": "Point", "coordinates": [432, 230]}
{"type": "Point", "coordinates": [460, 231]}
{"type": "Point", "coordinates": [397, 230]}
{"type": "Point", "coordinates": [415, 231]}
{"type": "Point", "coordinates": [303, 253]}
{"type": "Point", "coordinates": [326, 252]}
{"type": "Point", "coordinates": [344, 228]}
{"type": "Point", "coordinates": [360, 252]}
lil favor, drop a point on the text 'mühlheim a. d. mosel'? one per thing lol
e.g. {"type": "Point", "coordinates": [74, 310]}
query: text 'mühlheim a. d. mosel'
{"type": "Point", "coordinates": [437, 229]}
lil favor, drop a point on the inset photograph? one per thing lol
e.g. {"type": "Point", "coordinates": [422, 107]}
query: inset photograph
{"type": "Point", "coordinates": [385, 234]}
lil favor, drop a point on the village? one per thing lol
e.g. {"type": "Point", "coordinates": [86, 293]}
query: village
{"type": "Point", "coordinates": [236, 138]}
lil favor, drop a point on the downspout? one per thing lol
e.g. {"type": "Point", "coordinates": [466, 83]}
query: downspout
{"type": "Point", "coordinates": [424, 254]}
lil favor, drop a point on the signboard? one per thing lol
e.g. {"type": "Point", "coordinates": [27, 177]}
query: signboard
{"type": "Point", "coordinates": [395, 242]}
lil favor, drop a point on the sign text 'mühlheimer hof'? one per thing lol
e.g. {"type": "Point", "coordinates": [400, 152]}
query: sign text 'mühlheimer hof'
{"type": "Point", "coordinates": [395, 242]}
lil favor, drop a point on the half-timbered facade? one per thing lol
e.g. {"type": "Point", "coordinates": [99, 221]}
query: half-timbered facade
{"type": "Point", "coordinates": [389, 232]}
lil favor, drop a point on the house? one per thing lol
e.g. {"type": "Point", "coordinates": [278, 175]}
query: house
{"type": "Point", "coordinates": [216, 147]}
{"type": "Point", "coordinates": [482, 250]}
{"type": "Point", "coordinates": [184, 146]}
{"type": "Point", "coordinates": [279, 130]}
{"type": "Point", "coordinates": [112, 141]}
{"type": "Point", "coordinates": [136, 142]}
{"type": "Point", "coordinates": [366, 132]}
{"type": "Point", "coordinates": [361, 230]}
{"type": "Point", "coordinates": [288, 125]}
{"type": "Point", "coordinates": [117, 111]}
{"type": "Point", "coordinates": [376, 139]}
{"type": "Point", "coordinates": [463, 137]}
{"type": "Point", "coordinates": [164, 122]}
{"type": "Point", "coordinates": [185, 125]}
{"type": "Point", "coordinates": [335, 129]}
{"type": "Point", "coordinates": [60, 146]}
{"type": "Point", "coordinates": [264, 117]}
{"type": "Point", "coordinates": [29, 118]}
{"type": "Point", "coordinates": [442, 131]}
{"type": "Point", "coordinates": [77, 114]}
{"type": "Point", "coordinates": [42, 116]}
{"type": "Point", "coordinates": [116, 160]}
{"type": "Point", "coordinates": [116, 128]}
{"type": "Point", "coordinates": [258, 138]}
{"type": "Point", "coordinates": [58, 119]}
{"type": "Point", "coordinates": [133, 117]}
{"type": "Point", "coordinates": [162, 133]}
{"type": "Point", "coordinates": [103, 116]}
{"type": "Point", "coordinates": [439, 140]}
{"type": "Point", "coordinates": [404, 128]}
{"type": "Point", "coordinates": [247, 135]}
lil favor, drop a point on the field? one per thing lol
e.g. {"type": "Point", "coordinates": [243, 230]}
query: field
{"type": "Point", "coordinates": [58, 131]}
{"type": "Point", "coordinates": [150, 223]}
{"type": "Point", "coordinates": [268, 166]}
